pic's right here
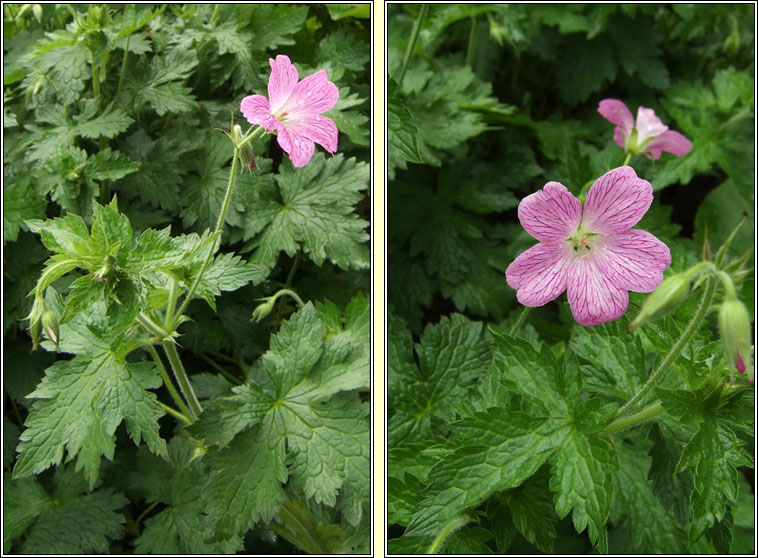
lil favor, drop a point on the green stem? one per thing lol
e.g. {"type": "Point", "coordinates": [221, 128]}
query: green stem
{"type": "Point", "coordinates": [412, 44]}
{"type": "Point", "coordinates": [182, 379]}
{"type": "Point", "coordinates": [220, 369]}
{"type": "Point", "coordinates": [626, 161]}
{"type": "Point", "coordinates": [173, 293]}
{"type": "Point", "coordinates": [520, 320]}
{"type": "Point", "coordinates": [288, 282]}
{"type": "Point", "coordinates": [622, 423]}
{"type": "Point", "coordinates": [167, 381]}
{"type": "Point", "coordinates": [447, 530]}
{"type": "Point", "coordinates": [174, 413]}
{"type": "Point", "coordinates": [95, 81]}
{"type": "Point", "coordinates": [728, 285]}
{"type": "Point", "coordinates": [216, 11]}
{"type": "Point", "coordinates": [145, 321]}
{"type": "Point", "coordinates": [144, 513]}
{"type": "Point", "coordinates": [219, 225]}
{"type": "Point", "coordinates": [298, 529]}
{"type": "Point", "coordinates": [700, 313]}
{"type": "Point", "coordinates": [471, 43]}
{"type": "Point", "coordinates": [123, 70]}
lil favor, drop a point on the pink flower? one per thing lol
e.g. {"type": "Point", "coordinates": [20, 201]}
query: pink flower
{"type": "Point", "coordinates": [596, 256]}
{"type": "Point", "coordinates": [647, 135]}
{"type": "Point", "coordinates": [293, 109]}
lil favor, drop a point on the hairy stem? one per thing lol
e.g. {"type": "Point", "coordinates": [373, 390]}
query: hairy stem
{"type": "Point", "coordinates": [412, 43]}
{"type": "Point", "coordinates": [297, 529]}
{"type": "Point", "coordinates": [656, 377]}
{"type": "Point", "coordinates": [628, 421]}
{"type": "Point", "coordinates": [219, 225]}
{"type": "Point", "coordinates": [123, 71]}
{"type": "Point", "coordinates": [167, 381]}
{"type": "Point", "coordinates": [450, 527]}
{"type": "Point", "coordinates": [520, 320]}
{"type": "Point", "coordinates": [471, 43]}
{"type": "Point", "coordinates": [182, 379]}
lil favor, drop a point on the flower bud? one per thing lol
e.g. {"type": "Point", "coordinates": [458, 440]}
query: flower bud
{"type": "Point", "coordinates": [35, 320]}
{"type": "Point", "coordinates": [247, 157]}
{"type": "Point", "coordinates": [264, 309]}
{"type": "Point", "coordinates": [52, 328]}
{"type": "Point", "coordinates": [669, 294]}
{"type": "Point", "coordinates": [734, 324]}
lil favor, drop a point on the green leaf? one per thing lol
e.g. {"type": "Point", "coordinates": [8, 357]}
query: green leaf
{"type": "Point", "coordinates": [66, 129]}
{"type": "Point", "coordinates": [313, 210]}
{"type": "Point", "coordinates": [452, 355]}
{"type": "Point", "coordinates": [159, 84]}
{"type": "Point", "coordinates": [582, 480]}
{"type": "Point", "coordinates": [500, 449]}
{"type": "Point", "coordinates": [639, 518]}
{"type": "Point", "coordinates": [274, 25]}
{"type": "Point", "coordinates": [616, 359]}
{"type": "Point", "coordinates": [21, 201]}
{"type": "Point", "coordinates": [534, 374]}
{"type": "Point", "coordinates": [401, 138]}
{"type": "Point", "coordinates": [713, 453]}
{"type": "Point", "coordinates": [69, 521]}
{"type": "Point", "coordinates": [79, 404]}
{"type": "Point", "coordinates": [531, 506]}
{"type": "Point", "coordinates": [291, 396]}
{"type": "Point", "coordinates": [184, 525]}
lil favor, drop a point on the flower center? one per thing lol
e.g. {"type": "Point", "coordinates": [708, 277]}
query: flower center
{"type": "Point", "coordinates": [582, 241]}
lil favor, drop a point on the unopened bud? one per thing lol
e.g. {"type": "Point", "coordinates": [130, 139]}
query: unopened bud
{"type": "Point", "coordinates": [35, 320]}
{"type": "Point", "coordinates": [247, 157]}
{"type": "Point", "coordinates": [264, 309]}
{"type": "Point", "coordinates": [663, 300]}
{"type": "Point", "coordinates": [52, 328]}
{"type": "Point", "coordinates": [734, 324]}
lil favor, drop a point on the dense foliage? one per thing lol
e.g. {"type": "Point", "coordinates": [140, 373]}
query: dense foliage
{"type": "Point", "coordinates": [116, 168]}
{"type": "Point", "coordinates": [504, 436]}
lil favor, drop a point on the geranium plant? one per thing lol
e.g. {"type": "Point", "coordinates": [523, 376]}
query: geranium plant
{"type": "Point", "coordinates": [187, 306]}
{"type": "Point", "coordinates": [618, 419]}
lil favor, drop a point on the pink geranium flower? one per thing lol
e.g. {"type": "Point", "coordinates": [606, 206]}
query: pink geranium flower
{"type": "Point", "coordinates": [647, 135]}
{"type": "Point", "coordinates": [293, 109]}
{"type": "Point", "coordinates": [596, 255]}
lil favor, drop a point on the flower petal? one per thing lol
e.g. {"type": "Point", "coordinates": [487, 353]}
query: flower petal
{"type": "Point", "coordinates": [592, 296]}
{"type": "Point", "coordinates": [282, 81]}
{"type": "Point", "coordinates": [551, 213]}
{"type": "Point", "coordinates": [314, 95]}
{"type": "Point", "coordinates": [619, 137]}
{"type": "Point", "coordinates": [257, 111]}
{"type": "Point", "coordinates": [671, 142]}
{"type": "Point", "coordinates": [648, 125]}
{"type": "Point", "coordinates": [320, 129]}
{"type": "Point", "coordinates": [616, 201]}
{"type": "Point", "coordinates": [633, 260]}
{"type": "Point", "coordinates": [539, 274]}
{"type": "Point", "coordinates": [615, 111]}
{"type": "Point", "coordinates": [299, 148]}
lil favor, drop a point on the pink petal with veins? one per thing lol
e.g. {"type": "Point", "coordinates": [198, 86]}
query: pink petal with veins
{"type": "Point", "coordinates": [314, 95]}
{"type": "Point", "coordinates": [282, 81]}
{"type": "Point", "coordinates": [616, 112]}
{"type": "Point", "coordinates": [633, 260]}
{"type": "Point", "coordinates": [671, 142]}
{"type": "Point", "coordinates": [648, 125]}
{"type": "Point", "coordinates": [257, 111]}
{"type": "Point", "coordinates": [539, 274]}
{"type": "Point", "coordinates": [593, 298]}
{"type": "Point", "coordinates": [551, 213]}
{"type": "Point", "coordinates": [616, 201]}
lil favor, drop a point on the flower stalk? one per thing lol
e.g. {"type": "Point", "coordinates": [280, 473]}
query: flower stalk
{"type": "Point", "coordinates": [675, 351]}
